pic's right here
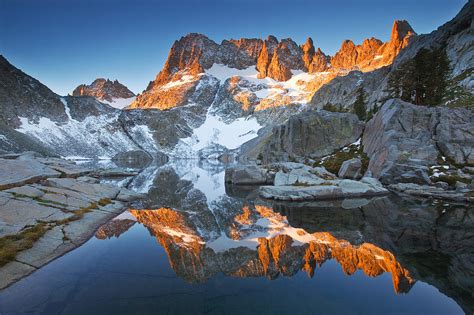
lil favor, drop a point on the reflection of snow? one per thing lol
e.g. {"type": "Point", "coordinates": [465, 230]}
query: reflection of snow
{"type": "Point", "coordinates": [209, 181]}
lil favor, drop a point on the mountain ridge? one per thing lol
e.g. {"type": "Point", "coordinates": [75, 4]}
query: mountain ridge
{"type": "Point", "coordinates": [194, 55]}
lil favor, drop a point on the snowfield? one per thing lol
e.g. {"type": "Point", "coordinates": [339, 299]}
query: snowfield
{"type": "Point", "coordinates": [295, 88]}
{"type": "Point", "coordinates": [215, 132]}
{"type": "Point", "coordinates": [120, 103]}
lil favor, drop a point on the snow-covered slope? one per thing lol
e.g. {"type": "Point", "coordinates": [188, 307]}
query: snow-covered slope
{"type": "Point", "coordinates": [120, 103]}
{"type": "Point", "coordinates": [94, 136]}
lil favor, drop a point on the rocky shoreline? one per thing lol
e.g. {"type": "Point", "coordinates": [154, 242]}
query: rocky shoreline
{"type": "Point", "coordinates": [49, 206]}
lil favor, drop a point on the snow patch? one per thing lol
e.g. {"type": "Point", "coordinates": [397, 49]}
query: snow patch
{"type": "Point", "coordinates": [214, 131]}
{"type": "Point", "coordinates": [120, 103]}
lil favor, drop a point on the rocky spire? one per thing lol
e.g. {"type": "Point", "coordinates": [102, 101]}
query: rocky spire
{"type": "Point", "coordinates": [400, 30]}
{"type": "Point", "coordinates": [193, 52]}
{"type": "Point", "coordinates": [308, 52]}
{"type": "Point", "coordinates": [266, 55]}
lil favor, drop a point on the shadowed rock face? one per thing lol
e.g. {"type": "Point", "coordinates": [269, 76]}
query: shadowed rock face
{"type": "Point", "coordinates": [22, 95]}
{"type": "Point", "coordinates": [312, 134]}
{"type": "Point", "coordinates": [404, 140]}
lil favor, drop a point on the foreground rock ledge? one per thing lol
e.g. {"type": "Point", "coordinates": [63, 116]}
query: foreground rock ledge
{"type": "Point", "coordinates": [334, 189]}
{"type": "Point", "coordinates": [59, 200]}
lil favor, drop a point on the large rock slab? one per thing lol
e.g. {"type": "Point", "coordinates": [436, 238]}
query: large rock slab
{"type": "Point", "coordinates": [402, 140]}
{"type": "Point", "coordinates": [16, 214]}
{"type": "Point", "coordinates": [98, 190]}
{"type": "Point", "coordinates": [246, 175]}
{"type": "Point", "coordinates": [20, 172]}
{"type": "Point", "coordinates": [290, 173]}
{"type": "Point", "coordinates": [312, 134]}
{"type": "Point", "coordinates": [462, 194]}
{"type": "Point", "coordinates": [335, 189]}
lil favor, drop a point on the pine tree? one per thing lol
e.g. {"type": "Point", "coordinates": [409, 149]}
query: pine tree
{"type": "Point", "coordinates": [360, 108]}
{"type": "Point", "coordinates": [423, 79]}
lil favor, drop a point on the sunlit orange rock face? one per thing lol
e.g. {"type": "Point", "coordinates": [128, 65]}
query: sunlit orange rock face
{"type": "Point", "coordinates": [104, 90]}
{"type": "Point", "coordinates": [373, 53]}
{"type": "Point", "coordinates": [193, 54]}
{"type": "Point", "coordinates": [285, 250]}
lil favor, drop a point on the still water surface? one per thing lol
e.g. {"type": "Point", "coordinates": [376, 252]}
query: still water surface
{"type": "Point", "coordinates": [197, 247]}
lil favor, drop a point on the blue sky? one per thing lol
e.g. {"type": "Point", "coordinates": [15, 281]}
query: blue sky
{"type": "Point", "coordinates": [64, 43]}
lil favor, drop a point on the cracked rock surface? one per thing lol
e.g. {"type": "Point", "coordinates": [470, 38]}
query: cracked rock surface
{"type": "Point", "coordinates": [52, 193]}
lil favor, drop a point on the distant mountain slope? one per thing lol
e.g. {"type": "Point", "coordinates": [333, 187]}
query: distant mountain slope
{"type": "Point", "coordinates": [32, 117]}
{"type": "Point", "coordinates": [111, 92]}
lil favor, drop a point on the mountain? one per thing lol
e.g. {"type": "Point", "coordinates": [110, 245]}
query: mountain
{"type": "Point", "coordinates": [32, 117]}
{"type": "Point", "coordinates": [111, 92]}
{"type": "Point", "coordinates": [455, 37]}
{"type": "Point", "coordinates": [210, 100]}
{"type": "Point", "coordinates": [262, 73]}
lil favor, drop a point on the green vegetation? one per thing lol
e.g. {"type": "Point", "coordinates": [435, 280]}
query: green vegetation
{"type": "Point", "coordinates": [422, 80]}
{"type": "Point", "coordinates": [334, 162]}
{"type": "Point", "coordinates": [11, 245]}
{"type": "Point", "coordinates": [456, 95]}
{"type": "Point", "coordinates": [359, 107]}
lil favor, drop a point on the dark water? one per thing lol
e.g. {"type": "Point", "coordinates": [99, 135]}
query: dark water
{"type": "Point", "coordinates": [198, 247]}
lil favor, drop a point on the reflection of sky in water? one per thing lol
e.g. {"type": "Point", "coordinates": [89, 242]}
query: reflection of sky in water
{"type": "Point", "coordinates": [137, 269]}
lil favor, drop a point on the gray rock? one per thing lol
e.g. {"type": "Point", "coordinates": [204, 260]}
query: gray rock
{"type": "Point", "coordinates": [127, 195]}
{"type": "Point", "coordinates": [312, 134]}
{"type": "Point", "coordinates": [96, 190]}
{"type": "Point", "coordinates": [16, 214]}
{"type": "Point", "coordinates": [88, 179]}
{"type": "Point", "coordinates": [117, 172]}
{"type": "Point", "coordinates": [461, 186]}
{"type": "Point", "coordinates": [402, 140]}
{"type": "Point", "coordinates": [21, 172]}
{"type": "Point", "coordinates": [351, 169]}
{"type": "Point", "coordinates": [13, 271]}
{"type": "Point", "coordinates": [246, 175]}
{"type": "Point", "coordinates": [335, 189]}
{"type": "Point", "coordinates": [432, 192]}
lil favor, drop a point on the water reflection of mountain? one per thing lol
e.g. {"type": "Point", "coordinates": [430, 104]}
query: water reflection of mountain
{"type": "Point", "coordinates": [261, 243]}
{"type": "Point", "coordinates": [206, 229]}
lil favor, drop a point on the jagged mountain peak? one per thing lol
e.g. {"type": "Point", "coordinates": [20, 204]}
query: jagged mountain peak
{"type": "Point", "coordinates": [400, 29]}
{"type": "Point", "coordinates": [104, 90]}
{"type": "Point", "coordinates": [193, 55]}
